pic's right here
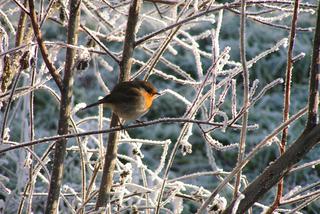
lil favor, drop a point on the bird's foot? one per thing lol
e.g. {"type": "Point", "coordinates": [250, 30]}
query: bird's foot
{"type": "Point", "coordinates": [139, 121]}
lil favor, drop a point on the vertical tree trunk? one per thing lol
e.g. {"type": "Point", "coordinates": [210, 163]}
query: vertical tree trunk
{"type": "Point", "coordinates": [65, 107]}
{"type": "Point", "coordinates": [125, 69]}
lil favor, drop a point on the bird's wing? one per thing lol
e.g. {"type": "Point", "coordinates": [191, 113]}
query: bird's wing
{"type": "Point", "coordinates": [124, 95]}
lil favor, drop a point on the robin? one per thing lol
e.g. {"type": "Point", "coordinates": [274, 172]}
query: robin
{"type": "Point", "coordinates": [129, 100]}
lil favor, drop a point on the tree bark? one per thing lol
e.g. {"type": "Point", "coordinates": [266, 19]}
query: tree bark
{"type": "Point", "coordinates": [65, 108]}
{"type": "Point", "coordinates": [125, 70]}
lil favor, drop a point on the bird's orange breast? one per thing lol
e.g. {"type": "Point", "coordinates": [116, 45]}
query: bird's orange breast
{"type": "Point", "coordinates": [148, 99]}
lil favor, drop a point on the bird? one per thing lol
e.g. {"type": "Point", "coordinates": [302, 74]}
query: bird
{"type": "Point", "coordinates": [129, 100]}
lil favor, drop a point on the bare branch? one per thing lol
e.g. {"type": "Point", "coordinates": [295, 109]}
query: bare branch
{"type": "Point", "coordinates": [44, 51]}
{"type": "Point", "coordinates": [114, 129]}
{"type": "Point", "coordinates": [287, 96]}
{"type": "Point", "coordinates": [65, 108]}
{"type": "Point", "coordinates": [245, 73]}
{"type": "Point", "coordinates": [254, 151]}
{"type": "Point", "coordinates": [125, 70]}
{"type": "Point", "coordinates": [314, 78]}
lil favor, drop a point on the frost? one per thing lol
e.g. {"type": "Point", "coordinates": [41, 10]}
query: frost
{"type": "Point", "coordinates": [186, 147]}
{"type": "Point", "coordinates": [6, 135]}
{"type": "Point", "coordinates": [77, 107]}
{"type": "Point", "coordinates": [190, 52]}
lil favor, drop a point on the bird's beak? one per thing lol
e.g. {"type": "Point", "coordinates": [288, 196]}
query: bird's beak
{"type": "Point", "coordinates": [157, 94]}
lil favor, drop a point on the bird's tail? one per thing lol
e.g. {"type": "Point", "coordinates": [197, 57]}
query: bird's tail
{"type": "Point", "coordinates": [103, 100]}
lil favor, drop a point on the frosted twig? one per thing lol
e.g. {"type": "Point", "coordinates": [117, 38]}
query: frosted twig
{"type": "Point", "coordinates": [223, 95]}
{"type": "Point", "coordinates": [162, 74]}
{"type": "Point", "coordinates": [191, 48]}
{"type": "Point", "coordinates": [31, 129]}
{"type": "Point", "coordinates": [198, 174]}
{"type": "Point", "coordinates": [178, 96]}
{"type": "Point", "coordinates": [246, 95]}
{"type": "Point", "coordinates": [287, 97]}
{"type": "Point", "coordinates": [160, 51]}
{"type": "Point", "coordinates": [253, 88]}
{"type": "Point", "coordinates": [251, 154]}
{"type": "Point", "coordinates": [163, 157]}
{"type": "Point", "coordinates": [171, 65]}
{"type": "Point", "coordinates": [95, 14]}
{"type": "Point", "coordinates": [215, 42]}
{"type": "Point", "coordinates": [265, 89]}
{"type": "Point", "coordinates": [295, 197]}
{"type": "Point", "coordinates": [298, 57]}
{"type": "Point", "coordinates": [234, 98]}
{"type": "Point", "coordinates": [311, 164]}
{"type": "Point", "coordinates": [7, 22]}
{"type": "Point", "coordinates": [235, 71]}
{"type": "Point", "coordinates": [217, 145]}
{"type": "Point", "coordinates": [6, 112]}
{"type": "Point", "coordinates": [313, 197]}
{"type": "Point", "coordinates": [115, 58]}
{"type": "Point", "coordinates": [236, 204]}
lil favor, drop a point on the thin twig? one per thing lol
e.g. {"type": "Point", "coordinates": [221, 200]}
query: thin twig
{"type": "Point", "coordinates": [245, 73]}
{"type": "Point", "coordinates": [22, 7]}
{"type": "Point", "coordinates": [44, 51]}
{"type": "Point", "coordinates": [284, 27]}
{"type": "Point", "coordinates": [31, 119]}
{"type": "Point", "coordinates": [217, 8]}
{"type": "Point", "coordinates": [115, 58]}
{"type": "Point", "coordinates": [6, 112]}
{"type": "Point", "coordinates": [287, 95]}
{"type": "Point", "coordinates": [253, 152]}
{"type": "Point", "coordinates": [114, 129]}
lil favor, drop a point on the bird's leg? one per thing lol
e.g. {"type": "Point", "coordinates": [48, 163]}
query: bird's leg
{"type": "Point", "coordinates": [139, 121]}
{"type": "Point", "coordinates": [121, 123]}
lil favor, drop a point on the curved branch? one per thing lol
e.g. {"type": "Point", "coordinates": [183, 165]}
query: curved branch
{"type": "Point", "coordinates": [44, 51]}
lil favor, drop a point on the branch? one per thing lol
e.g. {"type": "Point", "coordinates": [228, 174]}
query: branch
{"type": "Point", "coordinates": [120, 128]}
{"type": "Point", "coordinates": [286, 105]}
{"type": "Point", "coordinates": [22, 7]}
{"type": "Point", "coordinates": [65, 110]}
{"type": "Point", "coordinates": [314, 77]}
{"type": "Point", "coordinates": [278, 169]}
{"type": "Point", "coordinates": [115, 58]}
{"type": "Point", "coordinates": [254, 151]}
{"type": "Point", "coordinates": [125, 70]}
{"type": "Point", "coordinates": [44, 51]}
{"type": "Point", "coordinates": [129, 41]}
{"type": "Point", "coordinates": [218, 8]}
{"type": "Point", "coordinates": [169, 2]}
{"type": "Point", "coordinates": [21, 23]}
{"type": "Point", "coordinates": [307, 140]}
{"type": "Point", "coordinates": [245, 74]}
{"type": "Point", "coordinates": [13, 88]}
